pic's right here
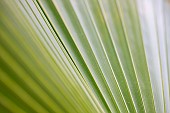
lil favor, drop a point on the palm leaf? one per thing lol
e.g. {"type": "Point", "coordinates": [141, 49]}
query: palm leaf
{"type": "Point", "coordinates": [85, 56]}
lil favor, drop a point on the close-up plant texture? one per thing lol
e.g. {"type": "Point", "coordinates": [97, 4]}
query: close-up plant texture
{"type": "Point", "coordinates": [84, 56]}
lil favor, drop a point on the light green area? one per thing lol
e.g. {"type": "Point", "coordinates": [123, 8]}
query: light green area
{"type": "Point", "coordinates": [80, 56]}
